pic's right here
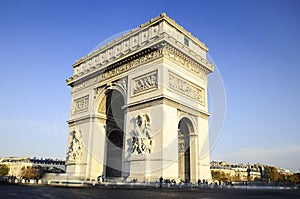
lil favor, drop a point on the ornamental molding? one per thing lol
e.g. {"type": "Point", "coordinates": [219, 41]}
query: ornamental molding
{"type": "Point", "coordinates": [199, 69]}
{"type": "Point", "coordinates": [145, 104]}
{"type": "Point", "coordinates": [186, 88]}
{"type": "Point", "coordinates": [123, 83]}
{"type": "Point", "coordinates": [80, 105]}
{"type": "Point", "coordinates": [181, 114]}
{"type": "Point", "coordinates": [143, 57]}
{"type": "Point", "coordinates": [159, 101]}
{"type": "Point", "coordinates": [118, 68]}
{"type": "Point", "coordinates": [86, 119]}
{"type": "Point", "coordinates": [114, 51]}
{"type": "Point", "coordinates": [135, 38]}
{"type": "Point", "coordinates": [144, 83]}
{"type": "Point", "coordinates": [120, 46]}
{"type": "Point", "coordinates": [148, 35]}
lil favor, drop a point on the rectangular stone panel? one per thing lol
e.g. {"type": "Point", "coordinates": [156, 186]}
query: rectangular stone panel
{"type": "Point", "coordinates": [81, 104]}
{"type": "Point", "coordinates": [186, 88]}
{"type": "Point", "coordinates": [144, 83]}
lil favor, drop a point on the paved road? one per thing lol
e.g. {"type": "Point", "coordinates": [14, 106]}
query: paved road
{"type": "Point", "coordinates": [45, 192]}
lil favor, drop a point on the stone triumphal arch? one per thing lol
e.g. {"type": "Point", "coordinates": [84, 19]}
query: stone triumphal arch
{"type": "Point", "coordinates": [139, 107]}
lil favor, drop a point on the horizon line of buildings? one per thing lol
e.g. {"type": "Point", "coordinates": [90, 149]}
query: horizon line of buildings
{"type": "Point", "coordinates": [16, 164]}
{"type": "Point", "coordinates": [243, 171]}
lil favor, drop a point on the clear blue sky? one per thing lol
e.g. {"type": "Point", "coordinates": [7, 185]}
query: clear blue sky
{"type": "Point", "coordinates": [255, 44]}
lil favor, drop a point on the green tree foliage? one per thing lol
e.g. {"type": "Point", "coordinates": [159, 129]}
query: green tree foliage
{"type": "Point", "coordinates": [288, 178]}
{"type": "Point", "coordinates": [4, 169]}
{"type": "Point", "coordinates": [236, 178]}
{"type": "Point", "coordinates": [30, 173]}
{"type": "Point", "coordinates": [271, 174]}
{"type": "Point", "coordinates": [220, 176]}
{"type": "Point", "coordinates": [38, 172]}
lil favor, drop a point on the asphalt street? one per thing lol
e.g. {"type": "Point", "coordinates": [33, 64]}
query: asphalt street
{"type": "Point", "coordinates": [37, 192]}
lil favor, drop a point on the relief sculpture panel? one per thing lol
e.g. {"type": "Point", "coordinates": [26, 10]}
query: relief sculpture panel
{"type": "Point", "coordinates": [81, 104]}
{"type": "Point", "coordinates": [186, 88]}
{"type": "Point", "coordinates": [144, 83]}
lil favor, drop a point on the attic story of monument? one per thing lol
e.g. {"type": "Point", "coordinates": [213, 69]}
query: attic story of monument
{"type": "Point", "coordinates": [139, 107]}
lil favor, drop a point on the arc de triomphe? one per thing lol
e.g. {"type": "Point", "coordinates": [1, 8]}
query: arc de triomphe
{"type": "Point", "coordinates": [139, 107]}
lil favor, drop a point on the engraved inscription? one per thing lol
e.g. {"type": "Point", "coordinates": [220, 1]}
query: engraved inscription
{"type": "Point", "coordinates": [187, 88]}
{"type": "Point", "coordinates": [144, 83]}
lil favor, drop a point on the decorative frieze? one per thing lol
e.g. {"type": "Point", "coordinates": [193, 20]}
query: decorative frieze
{"type": "Point", "coordinates": [141, 37]}
{"type": "Point", "coordinates": [187, 63]}
{"type": "Point", "coordinates": [119, 69]}
{"type": "Point", "coordinates": [166, 51]}
{"type": "Point", "coordinates": [186, 88]}
{"type": "Point", "coordinates": [115, 49]}
{"type": "Point", "coordinates": [81, 104]}
{"type": "Point", "coordinates": [85, 84]}
{"type": "Point", "coordinates": [144, 83]}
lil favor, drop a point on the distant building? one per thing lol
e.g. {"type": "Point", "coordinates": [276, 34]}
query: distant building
{"type": "Point", "coordinates": [16, 164]}
{"type": "Point", "coordinates": [243, 172]}
{"type": "Point", "coordinates": [284, 171]}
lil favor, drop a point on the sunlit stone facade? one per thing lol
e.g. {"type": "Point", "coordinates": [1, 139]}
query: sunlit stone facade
{"type": "Point", "coordinates": [139, 107]}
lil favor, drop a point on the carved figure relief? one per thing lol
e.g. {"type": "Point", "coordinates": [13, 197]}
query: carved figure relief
{"type": "Point", "coordinates": [143, 83]}
{"type": "Point", "coordinates": [75, 147]}
{"type": "Point", "coordinates": [142, 141]}
{"type": "Point", "coordinates": [187, 88]}
{"type": "Point", "coordinates": [123, 83]}
{"type": "Point", "coordinates": [181, 147]}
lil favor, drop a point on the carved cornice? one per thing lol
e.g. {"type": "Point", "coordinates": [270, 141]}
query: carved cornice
{"type": "Point", "coordinates": [201, 69]}
{"type": "Point", "coordinates": [143, 33]}
{"type": "Point", "coordinates": [126, 47]}
{"type": "Point", "coordinates": [182, 30]}
{"type": "Point", "coordinates": [169, 102]}
{"type": "Point", "coordinates": [160, 50]}
{"type": "Point", "coordinates": [134, 61]}
{"type": "Point", "coordinates": [85, 119]}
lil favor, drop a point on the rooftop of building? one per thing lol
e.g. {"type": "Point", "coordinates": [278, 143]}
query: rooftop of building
{"type": "Point", "coordinates": [32, 160]}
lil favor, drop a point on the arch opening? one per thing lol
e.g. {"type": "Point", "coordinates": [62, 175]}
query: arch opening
{"type": "Point", "coordinates": [114, 133]}
{"type": "Point", "coordinates": [185, 128]}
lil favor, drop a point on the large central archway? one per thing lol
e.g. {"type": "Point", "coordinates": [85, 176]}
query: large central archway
{"type": "Point", "coordinates": [185, 128]}
{"type": "Point", "coordinates": [114, 133]}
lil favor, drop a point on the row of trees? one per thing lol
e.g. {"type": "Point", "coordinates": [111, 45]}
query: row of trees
{"type": "Point", "coordinates": [271, 174]}
{"type": "Point", "coordinates": [224, 177]}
